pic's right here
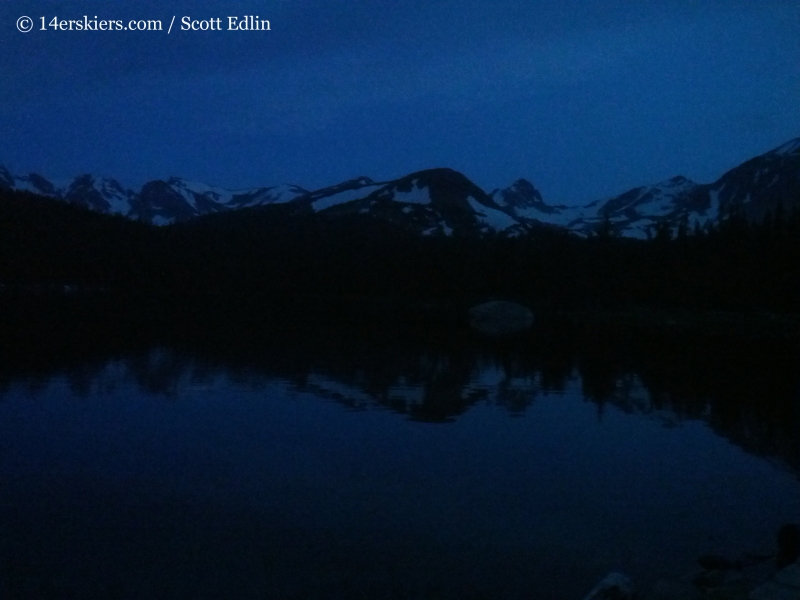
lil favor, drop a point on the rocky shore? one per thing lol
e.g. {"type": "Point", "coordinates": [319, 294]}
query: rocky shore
{"type": "Point", "coordinates": [749, 577]}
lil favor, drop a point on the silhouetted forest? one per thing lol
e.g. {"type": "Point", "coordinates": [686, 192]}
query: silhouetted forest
{"type": "Point", "coordinates": [46, 245]}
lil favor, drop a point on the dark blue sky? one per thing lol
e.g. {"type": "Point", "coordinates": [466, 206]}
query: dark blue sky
{"type": "Point", "coordinates": [586, 98]}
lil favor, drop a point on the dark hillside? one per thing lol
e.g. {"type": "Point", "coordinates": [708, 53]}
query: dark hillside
{"type": "Point", "coordinates": [277, 250]}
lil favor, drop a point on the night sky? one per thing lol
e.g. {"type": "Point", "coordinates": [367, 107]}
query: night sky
{"type": "Point", "coordinates": [586, 98]}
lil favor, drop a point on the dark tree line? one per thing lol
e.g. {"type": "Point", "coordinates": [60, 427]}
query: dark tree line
{"type": "Point", "coordinates": [269, 251]}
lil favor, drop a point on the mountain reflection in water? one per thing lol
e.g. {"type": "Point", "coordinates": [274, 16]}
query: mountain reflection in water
{"type": "Point", "coordinates": [227, 466]}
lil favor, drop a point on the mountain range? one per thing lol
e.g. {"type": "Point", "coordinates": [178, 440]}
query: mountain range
{"type": "Point", "coordinates": [444, 202]}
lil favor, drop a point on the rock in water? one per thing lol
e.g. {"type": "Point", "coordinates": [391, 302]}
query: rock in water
{"type": "Point", "coordinates": [500, 318]}
{"type": "Point", "coordinates": [615, 586]}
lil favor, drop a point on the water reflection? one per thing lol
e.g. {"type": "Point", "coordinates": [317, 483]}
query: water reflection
{"type": "Point", "coordinates": [305, 465]}
{"type": "Point", "coordinates": [748, 393]}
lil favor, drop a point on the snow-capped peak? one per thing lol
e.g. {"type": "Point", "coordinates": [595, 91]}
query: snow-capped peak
{"type": "Point", "coordinates": [446, 202]}
{"type": "Point", "coordinates": [6, 178]}
{"type": "Point", "coordinates": [788, 148]}
{"type": "Point", "coordinates": [520, 194]}
{"type": "Point", "coordinates": [98, 193]}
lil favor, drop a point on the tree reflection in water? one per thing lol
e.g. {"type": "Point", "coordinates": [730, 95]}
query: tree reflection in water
{"type": "Point", "coordinates": [746, 390]}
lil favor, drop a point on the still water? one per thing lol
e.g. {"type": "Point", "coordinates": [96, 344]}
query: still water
{"type": "Point", "coordinates": [332, 468]}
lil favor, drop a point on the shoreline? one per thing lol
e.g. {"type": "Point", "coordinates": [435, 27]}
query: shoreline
{"type": "Point", "coordinates": [446, 312]}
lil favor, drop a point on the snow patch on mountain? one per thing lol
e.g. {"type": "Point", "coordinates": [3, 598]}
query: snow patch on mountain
{"type": "Point", "coordinates": [521, 195]}
{"type": "Point", "coordinates": [713, 211]}
{"type": "Point", "coordinates": [35, 184]}
{"type": "Point", "coordinates": [562, 217]}
{"type": "Point", "coordinates": [6, 179]}
{"type": "Point", "coordinates": [343, 197]}
{"type": "Point", "coordinates": [190, 191]}
{"type": "Point", "coordinates": [443, 202]}
{"type": "Point", "coordinates": [100, 194]}
{"type": "Point", "coordinates": [119, 202]}
{"type": "Point", "coordinates": [787, 148]}
{"type": "Point", "coordinates": [279, 194]}
{"type": "Point", "coordinates": [417, 195]}
{"type": "Point", "coordinates": [496, 219]}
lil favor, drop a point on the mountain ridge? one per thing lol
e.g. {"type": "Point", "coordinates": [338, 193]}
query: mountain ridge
{"type": "Point", "coordinates": [442, 201]}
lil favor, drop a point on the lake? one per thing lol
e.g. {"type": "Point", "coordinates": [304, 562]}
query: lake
{"type": "Point", "coordinates": [363, 464]}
